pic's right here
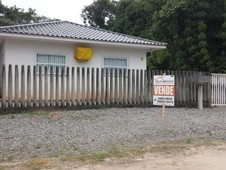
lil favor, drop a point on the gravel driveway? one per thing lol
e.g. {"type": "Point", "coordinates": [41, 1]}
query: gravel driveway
{"type": "Point", "coordinates": [41, 134]}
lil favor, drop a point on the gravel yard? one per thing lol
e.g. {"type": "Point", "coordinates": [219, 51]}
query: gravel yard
{"type": "Point", "coordinates": [41, 134]}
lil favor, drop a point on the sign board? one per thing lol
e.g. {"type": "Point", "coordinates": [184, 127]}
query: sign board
{"type": "Point", "coordinates": [163, 90]}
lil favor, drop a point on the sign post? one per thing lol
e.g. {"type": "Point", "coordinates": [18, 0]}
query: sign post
{"type": "Point", "coordinates": [163, 92]}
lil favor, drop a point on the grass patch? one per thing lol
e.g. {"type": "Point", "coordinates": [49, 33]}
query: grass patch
{"type": "Point", "coordinates": [36, 164]}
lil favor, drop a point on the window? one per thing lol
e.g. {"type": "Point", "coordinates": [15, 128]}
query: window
{"type": "Point", "coordinates": [51, 60]}
{"type": "Point", "coordinates": [115, 63]}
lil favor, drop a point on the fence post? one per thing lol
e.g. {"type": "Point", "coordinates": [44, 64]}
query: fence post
{"type": "Point", "coordinates": [111, 86]}
{"type": "Point", "coordinates": [129, 87]}
{"type": "Point", "coordinates": [83, 86]}
{"type": "Point", "coordinates": [116, 87]}
{"type": "Point", "coordinates": [145, 88]}
{"type": "Point", "coordinates": [16, 100]}
{"type": "Point", "coordinates": [10, 87]}
{"type": "Point", "coordinates": [3, 86]}
{"type": "Point", "coordinates": [57, 87]}
{"type": "Point", "coordinates": [88, 87]}
{"type": "Point", "coordinates": [98, 87]}
{"type": "Point", "coordinates": [93, 87]}
{"type": "Point", "coordinates": [28, 86]}
{"type": "Point", "coordinates": [46, 86]}
{"type": "Point", "coordinates": [137, 87]}
{"type": "Point", "coordinates": [62, 87]}
{"type": "Point", "coordinates": [141, 87]}
{"type": "Point", "coordinates": [133, 87]}
{"type": "Point", "coordinates": [73, 86]}
{"type": "Point", "coordinates": [51, 87]}
{"type": "Point", "coordinates": [78, 87]}
{"type": "Point", "coordinates": [120, 86]}
{"type": "Point", "coordinates": [35, 86]}
{"type": "Point", "coordinates": [22, 86]}
{"type": "Point", "coordinates": [124, 88]}
{"type": "Point", "coordinates": [107, 87]}
{"type": "Point", "coordinates": [40, 86]}
{"type": "Point", "coordinates": [68, 87]}
{"type": "Point", "coordinates": [102, 87]}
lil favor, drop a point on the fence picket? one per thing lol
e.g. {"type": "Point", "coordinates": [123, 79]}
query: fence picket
{"type": "Point", "coordinates": [46, 86]}
{"type": "Point", "coordinates": [10, 87]}
{"type": "Point", "coordinates": [16, 87]}
{"type": "Point", "coordinates": [51, 87]}
{"type": "Point", "coordinates": [22, 87]}
{"type": "Point", "coordinates": [28, 86]}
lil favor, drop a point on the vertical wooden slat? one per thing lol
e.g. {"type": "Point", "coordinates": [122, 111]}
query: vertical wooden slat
{"type": "Point", "coordinates": [107, 87]}
{"type": "Point", "coordinates": [57, 87]}
{"type": "Point", "coordinates": [16, 100]}
{"type": "Point", "coordinates": [83, 86]}
{"type": "Point", "coordinates": [22, 86]}
{"type": "Point", "coordinates": [98, 87]}
{"type": "Point", "coordinates": [129, 87]}
{"type": "Point", "coordinates": [116, 87]}
{"type": "Point", "coordinates": [120, 86]}
{"type": "Point", "coordinates": [28, 86]}
{"type": "Point", "coordinates": [183, 87]}
{"type": "Point", "coordinates": [150, 78]}
{"type": "Point", "coordinates": [68, 91]}
{"type": "Point", "coordinates": [73, 86]}
{"type": "Point", "coordinates": [40, 86]}
{"type": "Point", "coordinates": [102, 87]}
{"type": "Point", "coordinates": [141, 87]}
{"type": "Point", "coordinates": [93, 87]}
{"type": "Point", "coordinates": [62, 101]}
{"type": "Point", "coordinates": [78, 87]}
{"type": "Point", "coordinates": [46, 87]}
{"type": "Point", "coordinates": [111, 86]}
{"type": "Point", "coordinates": [3, 86]}
{"type": "Point", "coordinates": [133, 87]}
{"type": "Point", "coordinates": [145, 87]}
{"type": "Point", "coordinates": [10, 87]}
{"type": "Point", "coordinates": [137, 87]}
{"type": "Point", "coordinates": [125, 90]}
{"type": "Point", "coordinates": [51, 87]}
{"type": "Point", "coordinates": [88, 87]}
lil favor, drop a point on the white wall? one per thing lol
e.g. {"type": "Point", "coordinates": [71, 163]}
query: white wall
{"type": "Point", "coordinates": [23, 52]}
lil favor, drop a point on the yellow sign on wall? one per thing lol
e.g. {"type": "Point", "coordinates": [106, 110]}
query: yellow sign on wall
{"type": "Point", "coordinates": [83, 54]}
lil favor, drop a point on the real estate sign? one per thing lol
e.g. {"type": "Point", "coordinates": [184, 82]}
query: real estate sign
{"type": "Point", "coordinates": [163, 90]}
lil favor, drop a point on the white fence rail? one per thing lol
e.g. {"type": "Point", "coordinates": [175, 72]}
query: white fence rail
{"type": "Point", "coordinates": [218, 90]}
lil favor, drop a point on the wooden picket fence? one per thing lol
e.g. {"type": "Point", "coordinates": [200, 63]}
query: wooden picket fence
{"type": "Point", "coordinates": [29, 86]}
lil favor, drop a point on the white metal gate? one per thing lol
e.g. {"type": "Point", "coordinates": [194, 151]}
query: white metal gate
{"type": "Point", "coordinates": [218, 89]}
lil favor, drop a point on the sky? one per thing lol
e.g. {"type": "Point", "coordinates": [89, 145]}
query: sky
{"type": "Point", "coordinates": [69, 10]}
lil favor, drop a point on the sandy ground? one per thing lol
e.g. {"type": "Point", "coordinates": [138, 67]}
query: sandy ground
{"type": "Point", "coordinates": [201, 158]}
{"type": "Point", "coordinates": [204, 157]}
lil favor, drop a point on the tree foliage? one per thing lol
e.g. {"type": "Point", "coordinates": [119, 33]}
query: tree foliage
{"type": "Point", "coordinates": [99, 14]}
{"type": "Point", "coordinates": [14, 15]}
{"type": "Point", "coordinates": [195, 30]}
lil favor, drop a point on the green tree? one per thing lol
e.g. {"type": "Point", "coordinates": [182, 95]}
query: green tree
{"type": "Point", "coordinates": [101, 13]}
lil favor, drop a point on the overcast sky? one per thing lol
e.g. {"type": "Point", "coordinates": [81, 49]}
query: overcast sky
{"type": "Point", "coordinates": [69, 10]}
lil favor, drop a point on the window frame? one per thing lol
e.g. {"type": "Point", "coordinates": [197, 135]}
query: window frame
{"type": "Point", "coordinates": [115, 67]}
{"type": "Point", "coordinates": [49, 64]}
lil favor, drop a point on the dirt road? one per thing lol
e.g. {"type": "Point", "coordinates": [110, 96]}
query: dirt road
{"type": "Point", "coordinates": [201, 158]}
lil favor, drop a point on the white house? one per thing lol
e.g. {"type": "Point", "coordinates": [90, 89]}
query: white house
{"type": "Point", "coordinates": [58, 43]}
{"type": "Point", "coordinates": [31, 44]}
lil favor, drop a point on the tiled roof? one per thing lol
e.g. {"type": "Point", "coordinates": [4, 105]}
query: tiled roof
{"type": "Point", "coordinates": [65, 29]}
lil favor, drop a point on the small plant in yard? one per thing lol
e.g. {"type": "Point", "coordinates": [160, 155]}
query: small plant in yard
{"type": "Point", "coordinates": [189, 140]}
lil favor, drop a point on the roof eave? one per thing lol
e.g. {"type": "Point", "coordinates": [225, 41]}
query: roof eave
{"type": "Point", "coordinates": [72, 40]}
